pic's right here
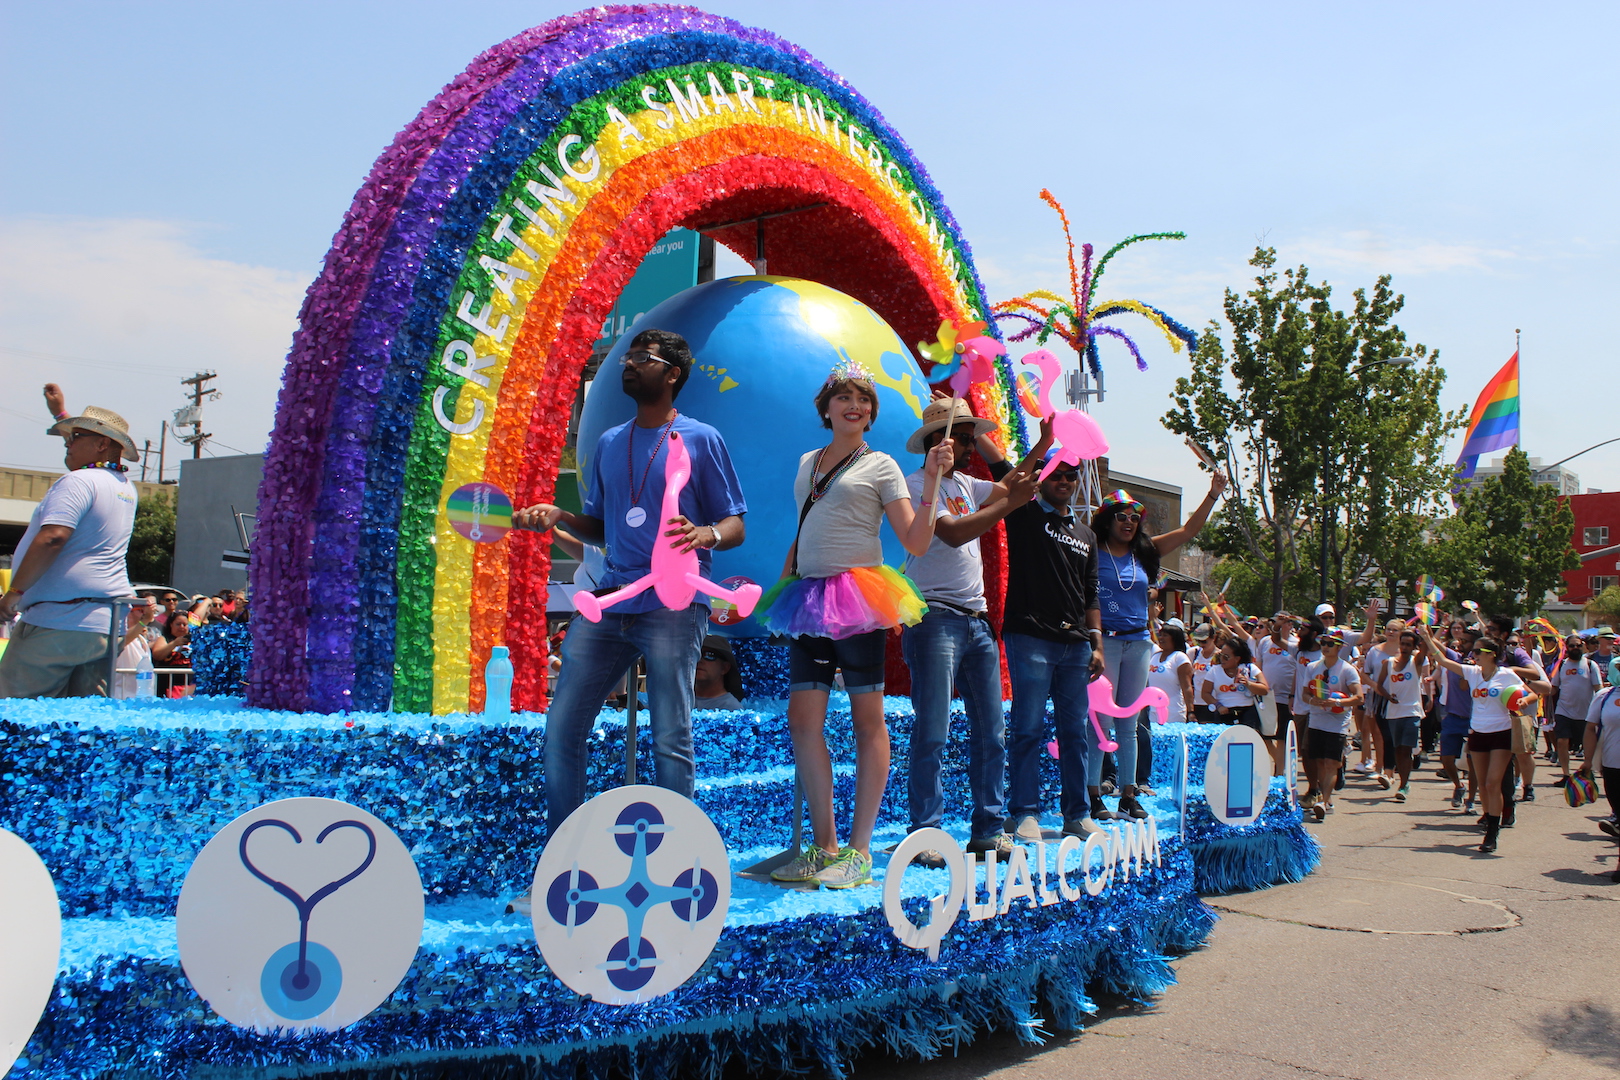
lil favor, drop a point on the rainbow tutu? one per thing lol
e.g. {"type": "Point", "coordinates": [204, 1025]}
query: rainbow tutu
{"type": "Point", "coordinates": [854, 602]}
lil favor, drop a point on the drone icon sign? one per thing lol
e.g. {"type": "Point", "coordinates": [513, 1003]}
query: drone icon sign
{"type": "Point", "coordinates": [655, 926]}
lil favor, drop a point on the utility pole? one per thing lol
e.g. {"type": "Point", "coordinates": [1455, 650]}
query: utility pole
{"type": "Point", "coordinates": [163, 447]}
{"type": "Point", "coordinates": [193, 414]}
{"type": "Point", "coordinates": [146, 453]}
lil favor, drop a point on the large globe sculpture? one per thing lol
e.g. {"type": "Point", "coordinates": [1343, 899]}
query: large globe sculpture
{"type": "Point", "coordinates": [762, 348]}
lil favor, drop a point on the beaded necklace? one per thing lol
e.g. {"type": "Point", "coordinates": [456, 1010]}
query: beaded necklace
{"type": "Point", "coordinates": [818, 488]}
{"type": "Point", "coordinates": [1130, 563]}
{"type": "Point", "coordinates": [636, 515]}
{"type": "Point", "coordinates": [115, 466]}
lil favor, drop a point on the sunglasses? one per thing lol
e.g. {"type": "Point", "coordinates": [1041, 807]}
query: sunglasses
{"type": "Point", "coordinates": [638, 357]}
{"type": "Point", "coordinates": [81, 435]}
{"type": "Point", "coordinates": [710, 654]}
{"type": "Point", "coordinates": [1069, 475]}
{"type": "Point", "coordinates": [1128, 516]}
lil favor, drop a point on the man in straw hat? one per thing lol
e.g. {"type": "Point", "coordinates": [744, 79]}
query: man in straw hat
{"type": "Point", "coordinates": [71, 555]}
{"type": "Point", "coordinates": [953, 647]}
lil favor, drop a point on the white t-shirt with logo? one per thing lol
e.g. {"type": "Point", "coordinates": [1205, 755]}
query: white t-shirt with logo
{"type": "Point", "coordinates": [952, 575]}
{"type": "Point", "coordinates": [1164, 672]}
{"type": "Point", "coordinates": [1228, 691]}
{"type": "Point", "coordinates": [1303, 660]}
{"type": "Point", "coordinates": [1278, 662]}
{"type": "Point", "coordinates": [1340, 678]}
{"type": "Point", "coordinates": [1490, 698]}
{"type": "Point", "coordinates": [1404, 686]}
{"type": "Point", "coordinates": [1605, 712]}
{"type": "Point", "coordinates": [841, 530]}
{"type": "Point", "coordinates": [1201, 667]}
{"type": "Point", "coordinates": [99, 506]}
{"type": "Point", "coordinates": [1576, 684]}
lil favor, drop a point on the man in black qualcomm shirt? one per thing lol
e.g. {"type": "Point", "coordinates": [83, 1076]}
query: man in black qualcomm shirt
{"type": "Point", "coordinates": [1052, 630]}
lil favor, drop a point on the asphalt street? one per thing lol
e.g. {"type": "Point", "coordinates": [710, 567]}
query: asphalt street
{"type": "Point", "coordinates": [1407, 954]}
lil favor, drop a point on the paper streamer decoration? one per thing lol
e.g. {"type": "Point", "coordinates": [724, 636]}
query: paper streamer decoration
{"type": "Point", "coordinates": [676, 576]}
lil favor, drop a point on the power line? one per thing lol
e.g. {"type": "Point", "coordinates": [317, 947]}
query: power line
{"type": "Point", "coordinates": [85, 361]}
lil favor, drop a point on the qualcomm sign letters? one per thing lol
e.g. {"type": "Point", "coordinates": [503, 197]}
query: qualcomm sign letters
{"type": "Point", "coordinates": [1128, 847]}
{"type": "Point", "coordinates": [631, 894]}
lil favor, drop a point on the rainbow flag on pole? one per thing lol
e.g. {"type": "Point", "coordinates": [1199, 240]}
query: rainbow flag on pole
{"type": "Point", "coordinates": [1495, 423]}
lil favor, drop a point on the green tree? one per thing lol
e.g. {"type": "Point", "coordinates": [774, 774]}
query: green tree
{"type": "Point", "coordinates": [1324, 438]}
{"type": "Point", "coordinates": [151, 544]}
{"type": "Point", "coordinates": [1507, 544]}
{"type": "Point", "coordinates": [1605, 606]}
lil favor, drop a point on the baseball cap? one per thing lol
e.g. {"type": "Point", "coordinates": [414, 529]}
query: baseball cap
{"type": "Point", "coordinates": [1202, 631]}
{"type": "Point", "coordinates": [716, 647]}
{"type": "Point", "coordinates": [1325, 609]}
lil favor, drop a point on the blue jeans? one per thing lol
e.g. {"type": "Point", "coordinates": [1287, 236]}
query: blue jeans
{"type": "Point", "coordinates": [943, 649]}
{"type": "Point", "coordinates": [594, 655]}
{"type": "Point", "coordinates": [1061, 670]}
{"type": "Point", "coordinates": [1125, 664]}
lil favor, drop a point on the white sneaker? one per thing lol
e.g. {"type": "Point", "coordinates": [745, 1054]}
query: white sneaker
{"type": "Point", "coordinates": [1029, 829]}
{"type": "Point", "coordinates": [1364, 767]}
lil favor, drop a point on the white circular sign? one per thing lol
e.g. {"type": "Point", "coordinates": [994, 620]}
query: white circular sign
{"type": "Point", "coordinates": [631, 894]}
{"type": "Point", "coordinates": [300, 914]}
{"type": "Point", "coordinates": [30, 944]}
{"type": "Point", "coordinates": [1237, 775]}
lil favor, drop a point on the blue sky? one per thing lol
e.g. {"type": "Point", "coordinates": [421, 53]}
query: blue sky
{"type": "Point", "coordinates": [171, 175]}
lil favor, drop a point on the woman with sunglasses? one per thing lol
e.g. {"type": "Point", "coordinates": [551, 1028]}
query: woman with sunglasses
{"type": "Point", "coordinates": [1127, 566]}
{"type": "Point", "coordinates": [836, 602]}
{"type": "Point", "coordinates": [1494, 690]}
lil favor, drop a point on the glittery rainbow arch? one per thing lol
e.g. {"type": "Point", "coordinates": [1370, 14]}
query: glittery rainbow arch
{"type": "Point", "coordinates": [443, 340]}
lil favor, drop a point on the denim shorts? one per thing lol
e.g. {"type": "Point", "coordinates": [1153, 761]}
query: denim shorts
{"type": "Point", "coordinates": [813, 660]}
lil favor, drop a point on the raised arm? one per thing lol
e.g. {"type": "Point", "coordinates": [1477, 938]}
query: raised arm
{"type": "Point", "coordinates": [916, 531]}
{"type": "Point", "coordinates": [1168, 542]}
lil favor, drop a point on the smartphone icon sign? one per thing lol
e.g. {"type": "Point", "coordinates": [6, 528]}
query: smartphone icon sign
{"type": "Point", "coordinates": [1240, 780]}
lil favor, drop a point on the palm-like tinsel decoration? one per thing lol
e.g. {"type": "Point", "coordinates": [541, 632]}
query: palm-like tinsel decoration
{"type": "Point", "coordinates": [1076, 320]}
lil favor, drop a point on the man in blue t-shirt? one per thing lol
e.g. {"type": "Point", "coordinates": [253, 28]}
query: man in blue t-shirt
{"type": "Point", "coordinates": [624, 491]}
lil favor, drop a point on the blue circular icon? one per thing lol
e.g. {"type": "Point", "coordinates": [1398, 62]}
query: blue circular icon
{"type": "Point", "coordinates": [301, 991]}
{"type": "Point", "coordinates": [702, 895]}
{"type": "Point", "coordinates": [631, 968]}
{"type": "Point", "coordinates": [639, 819]}
{"type": "Point", "coordinates": [564, 897]}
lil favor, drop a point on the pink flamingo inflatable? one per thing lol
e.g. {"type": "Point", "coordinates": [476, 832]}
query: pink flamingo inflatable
{"type": "Point", "coordinates": [1077, 435]}
{"type": "Point", "coordinates": [674, 575]}
{"type": "Point", "coordinates": [1100, 695]}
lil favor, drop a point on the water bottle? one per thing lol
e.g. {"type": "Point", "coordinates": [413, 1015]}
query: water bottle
{"type": "Point", "coordinates": [498, 683]}
{"type": "Point", "coordinates": [145, 677]}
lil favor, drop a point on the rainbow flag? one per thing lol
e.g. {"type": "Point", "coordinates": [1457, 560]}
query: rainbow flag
{"type": "Point", "coordinates": [1495, 423]}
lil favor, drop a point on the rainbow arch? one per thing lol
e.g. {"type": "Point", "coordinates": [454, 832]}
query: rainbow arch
{"type": "Point", "coordinates": [443, 340]}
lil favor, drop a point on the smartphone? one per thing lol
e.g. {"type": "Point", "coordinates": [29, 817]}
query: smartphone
{"type": "Point", "coordinates": [1240, 780]}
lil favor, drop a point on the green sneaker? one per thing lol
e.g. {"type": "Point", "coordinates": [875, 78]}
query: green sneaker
{"type": "Point", "coordinates": [849, 869]}
{"type": "Point", "coordinates": [805, 867]}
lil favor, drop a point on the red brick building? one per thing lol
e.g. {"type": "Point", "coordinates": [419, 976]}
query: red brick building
{"type": "Point", "coordinates": [1597, 526]}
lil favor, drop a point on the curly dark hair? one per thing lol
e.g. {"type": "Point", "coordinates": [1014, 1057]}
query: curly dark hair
{"type": "Point", "coordinates": [671, 347]}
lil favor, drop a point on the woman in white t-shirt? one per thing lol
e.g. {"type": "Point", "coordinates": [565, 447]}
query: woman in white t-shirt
{"type": "Point", "coordinates": [1202, 659]}
{"type": "Point", "coordinates": [1496, 692]}
{"type": "Point", "coordinates": [1171, 672]}
{"type": "Point", "coordinates": [836, 602]}
{"type": "Point", "coordinates": [1235, 684]}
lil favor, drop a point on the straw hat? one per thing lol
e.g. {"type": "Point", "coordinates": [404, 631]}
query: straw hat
{"type": "Point", "coordinates": [102, 422]}
{"type": "Point", "coordinates": [938, 417]}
